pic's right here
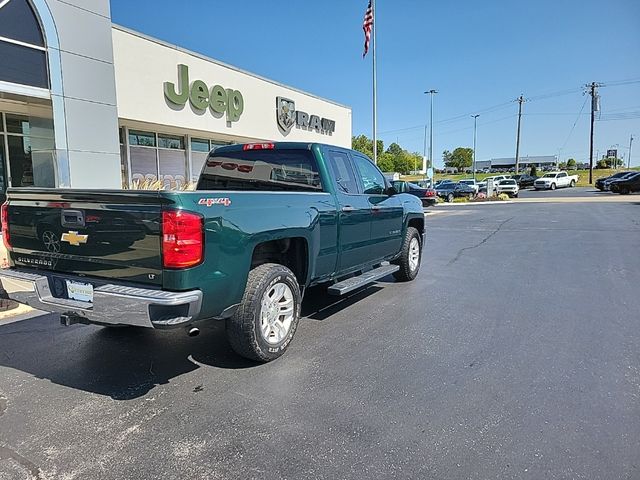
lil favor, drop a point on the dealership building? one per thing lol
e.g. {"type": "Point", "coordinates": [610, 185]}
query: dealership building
{"type": "Point", "coordinates": [539, 161]}
{"type": "Point", "coordinates": [88, 104]}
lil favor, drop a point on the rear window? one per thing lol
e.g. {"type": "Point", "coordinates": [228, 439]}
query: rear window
{"type": "Point", "coordinates": [261, 170]}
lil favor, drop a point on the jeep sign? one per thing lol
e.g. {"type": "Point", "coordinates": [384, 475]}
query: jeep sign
{"type": "Point", "coordinates": [219, 99]}
{"type": "Point", "coordinates": [287, 116]}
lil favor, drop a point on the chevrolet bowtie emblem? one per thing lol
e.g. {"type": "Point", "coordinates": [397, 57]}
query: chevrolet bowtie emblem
{"type": "Point", "coordinates": [74, 239]}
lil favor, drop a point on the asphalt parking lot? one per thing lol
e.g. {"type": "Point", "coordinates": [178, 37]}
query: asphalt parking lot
{"type": "Point", "coordinates": [515, 354]}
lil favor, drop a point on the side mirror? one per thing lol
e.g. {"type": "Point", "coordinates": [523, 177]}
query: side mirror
{"type": "Point", "coordinates": [391, 190]}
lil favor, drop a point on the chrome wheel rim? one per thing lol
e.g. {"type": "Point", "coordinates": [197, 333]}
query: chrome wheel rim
{"type": "Point", "coordinates": [276, 313]}
{"type": "Point", "coordinates": [414, 254]}
{"type": "Point", "coordinates": [51, 241]}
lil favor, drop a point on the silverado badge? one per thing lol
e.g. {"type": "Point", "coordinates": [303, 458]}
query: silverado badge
{"type": "Point", "coordinates": [74, 238]}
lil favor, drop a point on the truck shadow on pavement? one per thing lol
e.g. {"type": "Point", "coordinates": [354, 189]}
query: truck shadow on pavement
{"type": "Point", "coordinates": [127, 363]}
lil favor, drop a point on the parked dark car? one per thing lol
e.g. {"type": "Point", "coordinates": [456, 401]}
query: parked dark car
{"type": "Point", "coordinates": [427, 196]}
{"type": "Point", "coordinates": [524, 180]}
{"type": "Point", "coordinates": [626, 185]}
{"type": "Point", "coordinates": [449, 191]}
{"type": "Point", "coordinates": [602, 184]}
{"type": "Point", "coordinates": [444, 180]}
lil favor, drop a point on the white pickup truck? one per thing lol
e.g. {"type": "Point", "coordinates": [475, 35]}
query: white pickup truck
{"type": "Point", "coordinates": [553, 180]}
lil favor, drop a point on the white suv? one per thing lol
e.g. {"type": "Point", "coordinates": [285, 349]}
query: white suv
{"type": "Point", "coordinates": [471, 183]}
{"type": "Point", "coordinates": [508, 186]}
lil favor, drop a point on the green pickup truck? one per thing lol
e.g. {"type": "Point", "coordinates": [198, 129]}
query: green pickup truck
{"type": "Point", "coordinates": [266, 221]}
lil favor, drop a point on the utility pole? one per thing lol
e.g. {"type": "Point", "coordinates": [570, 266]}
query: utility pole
{"type": "Point", "coordinates": [520, 101]}
{"type": "Point", "coordinates": [475, 121]}
{"type": "Point", "coordinates": [430, 162]}
{"type": "Point", "coordinates": [595, 106]}
{"type": "Point", "coordinates": [629, 160]}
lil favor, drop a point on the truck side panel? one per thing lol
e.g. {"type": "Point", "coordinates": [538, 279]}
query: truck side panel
{"type": "Point", "coordinates": [236, 222]}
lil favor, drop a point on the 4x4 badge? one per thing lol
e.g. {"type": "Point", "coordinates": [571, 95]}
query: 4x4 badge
{"type": "Point", "coordinates": [73, 238]}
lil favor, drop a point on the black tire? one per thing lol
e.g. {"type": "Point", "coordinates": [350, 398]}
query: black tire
{"type": "Point", "coordinates": [624, 191]}
{"type": "Point", "coordinates": [572, 184]}
{"type": "Point", "coordinates": [243, 328]}
{"type": "Point", "coordinates": [553, 186]}
{"type": "Point", "coordinates": [450, 198]}
{"type": "Point", "coordinates": [406, 273]}
{"type": "Point", "coordinates": [515, 195]}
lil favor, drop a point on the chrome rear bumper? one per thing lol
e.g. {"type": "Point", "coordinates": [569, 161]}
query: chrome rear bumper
{"type": "Point", "coordinates": [112, 304]}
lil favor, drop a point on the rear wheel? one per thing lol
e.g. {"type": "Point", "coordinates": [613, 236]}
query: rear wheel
{"type": "Point", "coordinates": [410, 256]}
{"type": "Point", "coordinates": [624, 191]}
{"type": "Point", "coordinates": [267, 318]}
{"type": "Point", "coordinates": [572, 184]}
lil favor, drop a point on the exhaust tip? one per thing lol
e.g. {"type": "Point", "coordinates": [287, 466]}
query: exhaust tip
{"type": "Point", "coordinates": [193, 332]}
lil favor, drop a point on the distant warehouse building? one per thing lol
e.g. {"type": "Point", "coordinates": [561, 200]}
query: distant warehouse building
{"type": "Point", "coordinates": [525, 162]}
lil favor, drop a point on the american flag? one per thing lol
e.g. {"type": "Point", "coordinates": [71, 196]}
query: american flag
{"type": "Point", "coordinates": [367, 25]}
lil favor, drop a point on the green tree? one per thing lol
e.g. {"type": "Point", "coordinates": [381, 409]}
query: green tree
{"type": "Point", "coordinates": [562, 166]}
{"type": "Point", "coordinates": [461, 158]}
{"type": "Point", "coordinates": [364, 144]}
{"type": "Point", "coordinates": [394, 149]}
{"type": "Point", "coordinates": [571, 163]}
{"type": "Point", "coordinates": [602, 164]}
{"type": "Point", "coordinates": [386, 163]}
{"type": "Point", "coordinates": [404, 162]}
{"type": "Point", "coordinates": [534, 171]}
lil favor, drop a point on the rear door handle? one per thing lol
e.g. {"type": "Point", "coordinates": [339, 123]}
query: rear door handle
{"type": "Point", "coordinates": [348, 208]}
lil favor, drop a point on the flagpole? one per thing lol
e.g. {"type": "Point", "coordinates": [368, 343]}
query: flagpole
{"type": "Point", "coordinates": [375, 86]}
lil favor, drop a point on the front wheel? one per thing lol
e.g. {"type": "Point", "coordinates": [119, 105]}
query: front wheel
{"type": "Point", "coordinates": [553, 186]}
{"type": "Point", "coordinates": [266, 320]}
{"type": "Point", "coordinates": [450, 198]}
{"type": "Point", "coordinates": [410, 256]}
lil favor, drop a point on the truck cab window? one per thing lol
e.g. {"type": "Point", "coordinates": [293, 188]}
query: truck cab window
{"type": "Point", "coordinates": [372, 180]}
{"type": "Point", "coordinates": [261, 170]}
{"type": "Point", "coordinates": [342, 172]}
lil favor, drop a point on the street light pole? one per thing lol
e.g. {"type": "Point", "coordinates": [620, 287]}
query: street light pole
{"type": "Point", "coordinates": [431, 92]}
{"type": "Point", "coordinates": [475, 123]}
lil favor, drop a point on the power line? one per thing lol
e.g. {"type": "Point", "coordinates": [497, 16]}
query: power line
{"type": "Point", "coordinates": [574, 123]}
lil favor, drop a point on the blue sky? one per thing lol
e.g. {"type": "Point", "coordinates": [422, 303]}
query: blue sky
{"type": "Point", "coordinates": [478, 55]}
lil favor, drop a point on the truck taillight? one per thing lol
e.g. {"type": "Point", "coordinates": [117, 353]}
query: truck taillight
{"type": "Point", "coordinates": [258, 146]}
{"type": "Point", "coordinates": [5, 225]}
{"type": "Point", "coordinates": [182, 239]}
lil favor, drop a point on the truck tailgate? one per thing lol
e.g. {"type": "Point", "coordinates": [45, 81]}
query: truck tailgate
{"type": "Point", "coordinates": [100, 234]}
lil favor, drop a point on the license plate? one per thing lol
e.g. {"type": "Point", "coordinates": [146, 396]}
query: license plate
{"type": "Point", "coordinates": [83, 292]}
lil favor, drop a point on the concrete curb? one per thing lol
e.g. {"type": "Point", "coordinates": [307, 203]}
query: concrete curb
{"type": "Point", "coordinates": [23, 312]}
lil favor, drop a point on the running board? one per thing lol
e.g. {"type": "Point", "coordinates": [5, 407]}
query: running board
{"type": "Point", "coordinates": [353, 283]}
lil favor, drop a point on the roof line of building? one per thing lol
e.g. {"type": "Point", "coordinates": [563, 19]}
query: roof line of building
{"type": "Point", "coordinates": [222, 64]}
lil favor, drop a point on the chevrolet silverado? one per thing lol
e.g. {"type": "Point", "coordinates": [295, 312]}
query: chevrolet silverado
{"type": "Point", "coordinates": [266, 221]}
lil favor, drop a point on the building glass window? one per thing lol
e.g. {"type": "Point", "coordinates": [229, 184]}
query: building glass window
{"type": "Point", "coordinates": [170, 141]}
{"type": "Point", "coordinates": [156, 157]}
{"type": "Point", "coordinates": [144, 139]}
{"type": "Point", "coordinates": [18, 22]}
{"type": "Point", "coordinates": [22, 49]}
{"type": "Point", "coordinates": [3, 177]}
{"type": "Point", "coordinates": [172, 161]}
{"type": "Point", "coordinates": [30, 151]}
{"type": "Point", "coordinates": [124, 167]}
{"type": "Point", "coordinates": [200, 149]}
